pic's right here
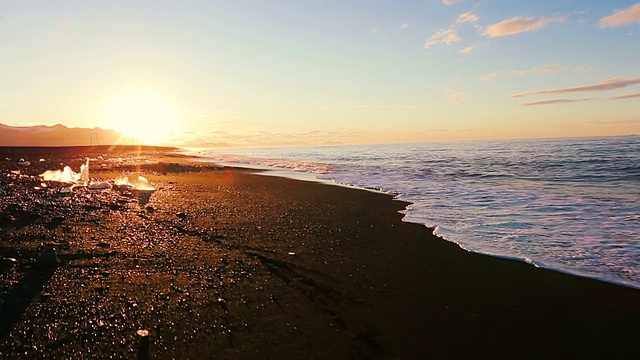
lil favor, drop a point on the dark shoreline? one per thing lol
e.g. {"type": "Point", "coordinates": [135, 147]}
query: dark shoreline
{"type": "Point", "coordinates": [224, 263]}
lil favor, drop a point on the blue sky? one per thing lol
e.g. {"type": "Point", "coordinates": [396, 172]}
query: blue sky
{"type": "Point", "coordinates": [311, 72]}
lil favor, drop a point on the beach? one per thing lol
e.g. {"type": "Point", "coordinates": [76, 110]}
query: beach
{"type": "Point", "coordinates": [221, 262]}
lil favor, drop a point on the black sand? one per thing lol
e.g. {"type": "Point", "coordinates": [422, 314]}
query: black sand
{"type": "Point", "coordinates": [220, 263]}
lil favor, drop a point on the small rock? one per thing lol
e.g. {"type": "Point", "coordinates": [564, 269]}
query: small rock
{"type": "Point", "coordinates": [8, 262]}
{"type": "Point", "coordinates": [181, 215]}
{"type": "Point", "coordinates": [150, 209]}
{"type": "Point", "coordinates": [48, 257]}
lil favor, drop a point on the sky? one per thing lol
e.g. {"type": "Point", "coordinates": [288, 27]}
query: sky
{"type": "Point", "coordinates": [285, 72]}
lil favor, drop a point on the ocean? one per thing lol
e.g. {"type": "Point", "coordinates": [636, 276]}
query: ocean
{"type": "Point", "coordinates": [568, 204]}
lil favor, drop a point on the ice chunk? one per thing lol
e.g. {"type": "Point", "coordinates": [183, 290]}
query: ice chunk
{"type": "Point", "coordinates": [140, 184]}
{"type": "Point", "coordinates": [122, 180]}
{"type": "Point", "coordinates": [99, 185]}
{"type": "Point", "coordinates": [65, 176]}
{"type": "Point", "coordinates": [84, 173]}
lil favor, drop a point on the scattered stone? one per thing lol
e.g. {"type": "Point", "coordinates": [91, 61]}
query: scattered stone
{"type": "Point", "coordinates": [102, 185]}
{"type": "Point", "coordinates": [48, 257]}
{"type": "Point", "coordinates": [143, 346]}
{"type": "Point", "coordinates": [7, 263]}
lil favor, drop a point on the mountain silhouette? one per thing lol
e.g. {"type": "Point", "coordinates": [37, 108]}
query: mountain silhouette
{"type": "Point", "coordinates": [60, 135]}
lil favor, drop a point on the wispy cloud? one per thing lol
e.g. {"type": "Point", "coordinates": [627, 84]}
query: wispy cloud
{"type": "Point", "coordinates": [449, 35]}
{"type": "Point", "coordinates": [623, 97]}
{"type": "Point", "coordinates": [467, 50]}
{"type": "Point", "coordinates": [539, 70]}
{"type": "Point", "coordinates": [555, 101]}
{"type": "Point", "coordinates": [467, 17]}
{"type": "Point", "coordinates": [453, 96]}
{"type": "Point", "coordinates": [622, 17]}
{"type": "Point", "coordinates": [518, 25]}
{"type": "Point", "coordinates": [406, 25]}
{"type": "Point", "coordinates": [444, 36]}
{"type": "Point", "coordinates": [583, 68]}
{"type": "Point", "coordinates": [487, 77]}
{"type": "Point", "coordinates": [611, 84]}
{"type": "Point", "coordinates": [450, 2]}
{"type": "Point", "coordinates": [628, 121]}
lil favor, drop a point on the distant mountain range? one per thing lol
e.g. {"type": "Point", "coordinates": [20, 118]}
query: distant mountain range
{"type": "Point", "coordinates": [60, 135]}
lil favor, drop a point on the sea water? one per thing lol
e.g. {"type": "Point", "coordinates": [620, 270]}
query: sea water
{"type": "Point", "coordinates": [568, 204]}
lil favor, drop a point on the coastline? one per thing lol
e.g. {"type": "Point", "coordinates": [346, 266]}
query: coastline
{"type": "Point", "coordinates": [310, 177]}
{"type": "Point", "coordinates": [496, 197]}
{"type": "Point", "coordinates": [222, 262]}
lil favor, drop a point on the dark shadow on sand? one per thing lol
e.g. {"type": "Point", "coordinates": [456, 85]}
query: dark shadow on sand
{"type": "Point", "coordinates": [20, 297]}
{"type": "Point", "coordinates": [35, 278]}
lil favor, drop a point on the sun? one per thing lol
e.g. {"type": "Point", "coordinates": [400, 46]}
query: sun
{"type": "Point", "coordinates": [142, 115]}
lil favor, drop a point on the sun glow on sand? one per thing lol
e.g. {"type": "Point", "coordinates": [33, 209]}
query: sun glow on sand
{"type": "Point", "coordinates": [144, 116]}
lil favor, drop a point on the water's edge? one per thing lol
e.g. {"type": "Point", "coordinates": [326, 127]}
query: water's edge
{"type": "Point", "coordinates": [305, 176]}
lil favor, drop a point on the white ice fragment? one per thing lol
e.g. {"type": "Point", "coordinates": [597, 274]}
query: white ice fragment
{"type": "Point", "coordinates": [24, 163]}
{"type": "Point", "coordinates": [42, 160]}
{"type": "Point", "coordinates": [122, 180]}
{"type": "Point", "coordinates": [65, 176]}
{"type": "Point", "coordinates": [122, 183]}
{"type": "Point", "coordinates": [99, 185]}
{"type": "Point", "coordinates": [142, 184]}
{"type": "Point", "coordinates": [84, 173]}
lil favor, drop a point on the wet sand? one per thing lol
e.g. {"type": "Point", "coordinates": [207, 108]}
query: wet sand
{"type": "Point", "coordinates": [222, 263]}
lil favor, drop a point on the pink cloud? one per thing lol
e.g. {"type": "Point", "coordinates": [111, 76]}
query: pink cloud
{"type": "Point", "coordinates": [622, 97]}
{"type": "Point", "coordinates": [488, 77]}
{"type": "Point", "coordinates": [611, 84]}
{"type": "Point", "coordinates": [518, 25]}
{"type": "Point", "coordinates": [622, 17]}
{"type": "Point", "coordinates": [552, 102]}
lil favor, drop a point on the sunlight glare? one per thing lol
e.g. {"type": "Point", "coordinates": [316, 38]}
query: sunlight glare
{"type": "Point", "coordinates": [144, 116]}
